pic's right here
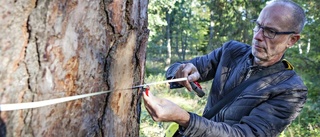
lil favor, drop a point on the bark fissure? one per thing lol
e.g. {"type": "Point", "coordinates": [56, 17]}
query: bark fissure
{"type": "Point", "coordinates": [128, 13]}
{"type": "Point", "coordinates": [28, 80]}
{"type": "Point", "coordinates": [107, 60]}
{"type": "Point", "coordinates": [38, 52]}
{"type": "Point", "coordinates": [105, 105]}
{"type": "Point", "coordinates": [104, 6]}
{"type": "Point", "coordinates": [106, 69]}
{"type": "Point", "coordinates": [28, 28]}
{"type": "Point", "coordinates": [28, 122]}
{"type": "Point", "coordinates": [101, 119]}
{"type": "Point", "coordinates": [36, 4]}
{"type": "Point", "coordinates": [27, 119]}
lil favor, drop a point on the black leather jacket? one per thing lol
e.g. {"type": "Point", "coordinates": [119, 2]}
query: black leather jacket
{"type": "Point", "coordinates": [265, 108]}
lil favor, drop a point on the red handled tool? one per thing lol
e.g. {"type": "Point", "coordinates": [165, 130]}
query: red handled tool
{"type": "Point", "coordinates": [147, 91]}
{"type": "Point", "coordinates": [144, 87]}
{"type": "Point", "coordinates": [197, 88]}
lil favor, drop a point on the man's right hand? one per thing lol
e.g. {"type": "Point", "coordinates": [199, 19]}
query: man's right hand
{"type": "Point", "coordinates": [190, 71]}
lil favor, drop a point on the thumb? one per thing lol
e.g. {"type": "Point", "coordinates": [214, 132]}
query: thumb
{"type": "Point", "coordinates": [147, 95]}
{"type": "Point", "coordinates": [193, 77]}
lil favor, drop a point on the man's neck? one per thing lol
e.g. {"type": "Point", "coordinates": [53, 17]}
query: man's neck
{"type": "Point", "coordinates": [258, 62]}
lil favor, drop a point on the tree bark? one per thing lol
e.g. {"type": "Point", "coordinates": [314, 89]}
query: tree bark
{"type": "Point", "coordinates": [58, 48]}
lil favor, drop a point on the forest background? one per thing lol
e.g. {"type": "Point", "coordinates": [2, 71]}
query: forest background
{"type": "Point", "coordinates": [183, 29]}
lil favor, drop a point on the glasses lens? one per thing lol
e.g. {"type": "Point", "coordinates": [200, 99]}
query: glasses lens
{"type": "Point", "coordinates": [269, 33]}
{"type": "Point", "coordinates": [256, 28]}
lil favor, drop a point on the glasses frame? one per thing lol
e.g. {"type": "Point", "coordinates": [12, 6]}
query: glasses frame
{"type": "Point", "coordinates": [263, 28]}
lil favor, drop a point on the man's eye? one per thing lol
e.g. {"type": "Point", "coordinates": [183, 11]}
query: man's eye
{"type": "Point", "coordinates": [258, 25]}
{"type": "Point", "coordinates": [269, 30]}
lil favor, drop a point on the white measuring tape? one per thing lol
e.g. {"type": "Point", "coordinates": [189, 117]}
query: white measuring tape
{"type": "Point", "coordinates": [28, 105]}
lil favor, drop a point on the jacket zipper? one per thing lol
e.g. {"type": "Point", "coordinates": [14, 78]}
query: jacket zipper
{"type": "Point", "coordinates": [252, 96]}
{"type": "Point", "coordinates": [226, 107]}
{"type": "Point", "coordinates": [223, 111]}
{"type": "Point", "coordinates": [248, 74]}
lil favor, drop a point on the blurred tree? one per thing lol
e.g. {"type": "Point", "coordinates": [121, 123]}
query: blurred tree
{"type": "Point", "coordinates": [230, 20]}
{"type": "Point", "coordinates": [177, 30]}
{"type": "Point", "coordinates": [305, 55]}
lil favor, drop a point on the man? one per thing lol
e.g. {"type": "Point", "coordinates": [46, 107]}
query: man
{"type": "Point", "coordinates": [265, 107]}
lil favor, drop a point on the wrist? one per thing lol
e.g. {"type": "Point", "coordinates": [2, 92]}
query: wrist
{"type": "Point", "coordinates": [183, 118]}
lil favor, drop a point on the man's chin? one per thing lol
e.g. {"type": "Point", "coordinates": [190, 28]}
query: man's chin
{"type": "Point", "coordinates": [258, 56]}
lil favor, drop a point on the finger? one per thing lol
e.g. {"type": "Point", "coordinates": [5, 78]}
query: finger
{"type": "Point", "coordinates": [182, 73]}
{"type": "Point", "coordinates": [187, 69]}
{"type": "Point", "coordinates": [150, 99]}
{"type": "Point", "coordinates": [147, 102]}
{"type": "Point", "coordinates": [151, 105]}
{"type": "Point", "coordinates": [194, 77]}
{"type": "Point", "coordinates": [179, 73]}
{"type": "Point", "coordinates": [147, 96]}
{"type": "Point", "coordinates": [188, 86]}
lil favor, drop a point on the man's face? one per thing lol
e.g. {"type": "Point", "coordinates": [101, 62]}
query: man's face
{"type": "Point", "coordinates": [266, 50]}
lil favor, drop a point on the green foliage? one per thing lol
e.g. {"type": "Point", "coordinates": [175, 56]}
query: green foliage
{"type": "Point", "coordinates": [307, 123]}
{"type": "Point", "coordinates": [180, 24]}
{"type": "Point", "coordinates": [232, 20]}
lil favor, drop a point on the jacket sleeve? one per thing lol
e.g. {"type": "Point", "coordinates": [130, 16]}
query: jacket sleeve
{"type": "Point", "coordinates": [266, 120]}
{"type": "Point", "coordinates": [205, 64]}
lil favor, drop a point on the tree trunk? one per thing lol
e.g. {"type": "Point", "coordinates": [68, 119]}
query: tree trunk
{"type": "Point", "coordinates": [58, 48]}
{"type": "Point", "coordinates": [168, 38]}
{"type": "Point", "coordinates": [211, 31]}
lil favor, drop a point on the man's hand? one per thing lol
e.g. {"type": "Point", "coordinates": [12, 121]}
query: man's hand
{"type": "Point", "coordinates": [163, 110]}
{"type": "Point", "coordinates": [190, 71]}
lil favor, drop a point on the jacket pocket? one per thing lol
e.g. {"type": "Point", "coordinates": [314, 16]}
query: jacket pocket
{"type": "Point", "coordinates": [250, 100]}
{"type": "Point", "coordinates": [252, 97]}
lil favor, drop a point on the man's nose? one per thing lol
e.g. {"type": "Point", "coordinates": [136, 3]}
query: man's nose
{"type": "Point", "coordinates": [258, 35]}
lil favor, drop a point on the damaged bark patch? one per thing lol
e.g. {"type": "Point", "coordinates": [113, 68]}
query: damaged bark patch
{"type": "Point", "coordinates": [71, 68]}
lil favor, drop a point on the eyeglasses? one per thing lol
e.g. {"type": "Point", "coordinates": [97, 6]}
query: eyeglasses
{"type": "Point", "coordinates": [268, 32]}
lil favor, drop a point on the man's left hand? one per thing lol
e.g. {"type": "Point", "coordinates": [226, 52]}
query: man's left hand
{"type": "Point", "coordinates": [163, 110]}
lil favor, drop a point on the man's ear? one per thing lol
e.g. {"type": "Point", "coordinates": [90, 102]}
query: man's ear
{"type": "Point", "coordinates": [293, 39]}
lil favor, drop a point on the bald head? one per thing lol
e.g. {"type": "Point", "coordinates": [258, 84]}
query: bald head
{"type": "Point", "coordinates": [294, 14]}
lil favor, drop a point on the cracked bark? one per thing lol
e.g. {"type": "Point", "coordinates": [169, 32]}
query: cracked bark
{"type": "Point", "coordinates": [57, 48]}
